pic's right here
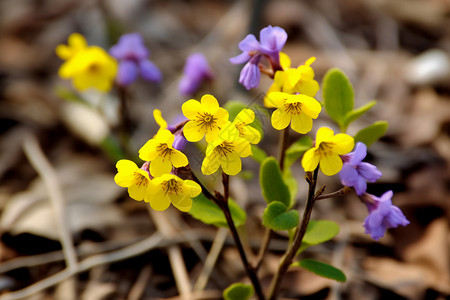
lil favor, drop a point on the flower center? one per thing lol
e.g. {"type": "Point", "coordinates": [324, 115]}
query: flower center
{"type": "Point", "coordinates": [293, 108]}
{"type": "Point", "coordinates": [140, 179]}
{"type": "Point", "coordinates": [325, 149]}
{"type": "Point", "coordinates": [171, 186]}
{"type": "Point", "coordinates": [94, 68]}
{"type": "Point", "coordinates": [206, 120]}
{"type": "Point", "coordinates": [163, 150]}
{"type": "Point", "coordinates": [224, 148]}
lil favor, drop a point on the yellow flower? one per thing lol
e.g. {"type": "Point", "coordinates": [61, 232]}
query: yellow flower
{"type": "Point", "coordinates": [226, 152]}
{"type": "Point", "coordinates": [206, 118]}
{"type": "Point", "coordinates": [326, 151]}
{"type": "Point", "coordinates": [241, 121]}
{"type": "Point", "coordinates": [76, 43]}
{"type": "Point", "coordinates": [157, 115]}
{"type": "Point", "coordinates": [170, 188]}
{"type": "Point", "coordinates": [133, 178]}
{"type": "Point", "coordinates": [91, 67]}
{"type": "Point", "coordinates": [293, 80]}
{"type": "Point", "coordinates": [161, 154]}
{"type": "Point", "coordinates": [298, 110]}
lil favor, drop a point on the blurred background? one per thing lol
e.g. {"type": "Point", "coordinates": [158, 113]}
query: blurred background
{"type": "Point", "coordinates": [396, 52]}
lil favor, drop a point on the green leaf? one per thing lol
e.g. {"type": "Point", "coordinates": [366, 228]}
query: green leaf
{"type": "Point", "coordinates": [238, 291]}
{"type": "Point", "coordinates": [337, 95]}
{"type": "Point", "coordinates": [273, 186]}
{"type": "Point", "coordinates": [258, 154]}
{"type": "Point", "coordinates": [321, 269]}
{"type": "Point", "coordinates": [277, 217]}
{"type": "Point", "coordinates": [357, 113]}
{"type": "Point", "coordinates": [234, 108]}
{"type": "Point", "coordinates": [291, 183]}
{"type": "Point", "coordinates": [371, 133]}
{"type": "Point", "coordinates": [320, 231]}
{"type": "Point", "coordinates": [208, 212]}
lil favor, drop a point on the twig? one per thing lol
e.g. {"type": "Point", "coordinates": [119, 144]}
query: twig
{"type": "Point", "coordinates": [175, 256]}
{"type": "Point", "coordinates": [45, 170]}
{"type": "Point", "coordinates": [211, 259]}
{"type": "Point", "coordinates": [138, 288]}
{"type": "Point", "coordinates": [297, 240]}
{"type": "Point", "coordinates": [340, 192]}
{"type": "Point", "coordinates": [86, 264]}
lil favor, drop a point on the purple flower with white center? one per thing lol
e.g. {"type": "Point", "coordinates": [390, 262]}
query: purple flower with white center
{"type": "Point", "coordinates": [356, 173]}
{"type": "Point", "coordinates": [382, 215]}
{"type": "Point", "coordinates": [272, 41]}
{"type": "Point", "coordinates": [196, 70]}
{"type": "Point", "coordinates": [133, 60]}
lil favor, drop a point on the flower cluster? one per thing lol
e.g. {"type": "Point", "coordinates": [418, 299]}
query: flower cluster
{"type": "Point", "coordinates": [93, 67]}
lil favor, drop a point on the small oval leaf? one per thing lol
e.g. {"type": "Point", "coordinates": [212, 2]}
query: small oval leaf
{"type": "Point", "coordinates": [372, 133]}
{"type": "Point", "coordinates": [337, 95]}
{"type": "Point", "coordinates": [238, 291]}
{"type": "Point", "coordinates": [277, 217]}
{"type": "Point", "coordinates": [321, 269]}
{"type": "Point", "coordinates": [296, 150]}
{"type": "Point", "coordinates": [357, 113]}
{"type": "Point", "coordinates": [272, 184]}
{"type": "Point", "coordinates": [208, 212]}
{"type": "Point", "coordinates": [320, 231]}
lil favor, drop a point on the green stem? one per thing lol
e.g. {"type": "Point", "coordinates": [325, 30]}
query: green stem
{"type": "Point", "coordinates": [287, 259]}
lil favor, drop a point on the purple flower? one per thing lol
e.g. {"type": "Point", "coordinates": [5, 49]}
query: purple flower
{"type": "Point", "coordinates": [382, 215]}
{"type": "Point", "coordinates": [272, 41]}
{"type": "Point", "coordinates": [195, 71]}
{"type": "Point", "coordinates": [133, 60]}
{"type": "Point", "coordinates": [355, 173]}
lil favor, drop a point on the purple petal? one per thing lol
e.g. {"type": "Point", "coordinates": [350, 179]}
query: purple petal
{"type": "Point", "coordinates": [369, 172]}
{"type": "Point", "coordinates": [360, 186]}
{"type": "Point", "coordinates": [131, 47]}
{"type": "Point", "coordinates": [127, 72]}
{"type": "Point", "coordinates": [348, 175]}
{"type": "Point", "coordinates": [249, 43]}
{"type": "Point", "coordinates": [149, 71]}
{"type": "Point", "coordinates": [359, 154]}
{"type": "Point", "coordinates": [250, 76]}
{"type": "Point", "coordinates": [374, 227]}
{"type": "Point", "coordinates": [396, 218]}
{"type": "Point", "coordinates": [179, 142]}
{"type": "Point", "coordinates": [188, 86]}
{"type": "Point", "coordinates": [241, 58]}
{"type": "Point", "coordinates": [273, 38]}
{"type": "Point", "coordinates": [195, 71]}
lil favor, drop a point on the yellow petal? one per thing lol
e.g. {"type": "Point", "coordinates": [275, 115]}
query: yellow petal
{"type": "Point", "coordinates": [178, 159]}
{"type": "Point", "coordinates": [285, 60]}
{"type": "Point", "coordinates": [242, 147]}
{"type": "Point", "coordinates": [310, 160]}
{"type": "Point", "coordinates": [280, 119]}
{"type": "Point", "coordinates": [210, 103]}
{"type": "Point", "coordinates": [301, 123]}
{"type": "Point", "coordinates": [183, 202]}
{"type": "Point", "coordinates": [157, 199]}
{"type": "Point", "coordinates": [212, 134]}
{"type": "Point", "coordinates": [193, 188]}
{"type": "Point", "coordinates": [310, 60]}
{"type": "Point", "coordinates": [310, 106]}
{"type": "Point", "coordinates": [77, 41]}
{"type": "Point", "coordinates": [124, 179]}
{"type": "Point", "coordinates": [210, 164]}
{"type": "Point", "coordinates": [148, 151]}
{"type": "Point", "coordinates": [323, 134]}
{"type": "Point", "coordinates": [191, 108]}
{"type": "Point", "coordinates": [137, 192]}
{"type": "Point", "coordinates": [63, 52]}
{"type": "Point", "coordinates": [232, 165]}
{"type": "Point", "coordinates": [330, 164]}
{"type": "Point", "coordinates": [222, 116]}
{"type": "Point", "coordinates": [343, 143]}
{"type": "Point", "coordinates": [245, 116]}
{"type": "Point", "coordinates": [251, 134]}
{"type": "Point", "coordinates": [160, 166]}
{"type": "Point", "coordinates": [277, 99]}
{"type": "Point", "coordinates": [293, 76]}
{"type": "Point", "coordinates": [164, 136]}
{"type": "Point", "coordinates": [192, 132]}
{"type": "Point", "coordinates": [157, 115]}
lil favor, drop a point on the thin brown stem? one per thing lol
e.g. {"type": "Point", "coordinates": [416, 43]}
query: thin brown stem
{"type": "Point", "coordinates": [283, 146]}
{"type": "Point", "coordinates": [222, 201]}
{"type": "Point", "coordinates": [297, 240]}
{"type": "Point", "coordinates": [340, 192]}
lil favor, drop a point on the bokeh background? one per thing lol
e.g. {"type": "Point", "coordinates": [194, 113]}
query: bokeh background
{"type": "Point", "coordinates": [396, 52]}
